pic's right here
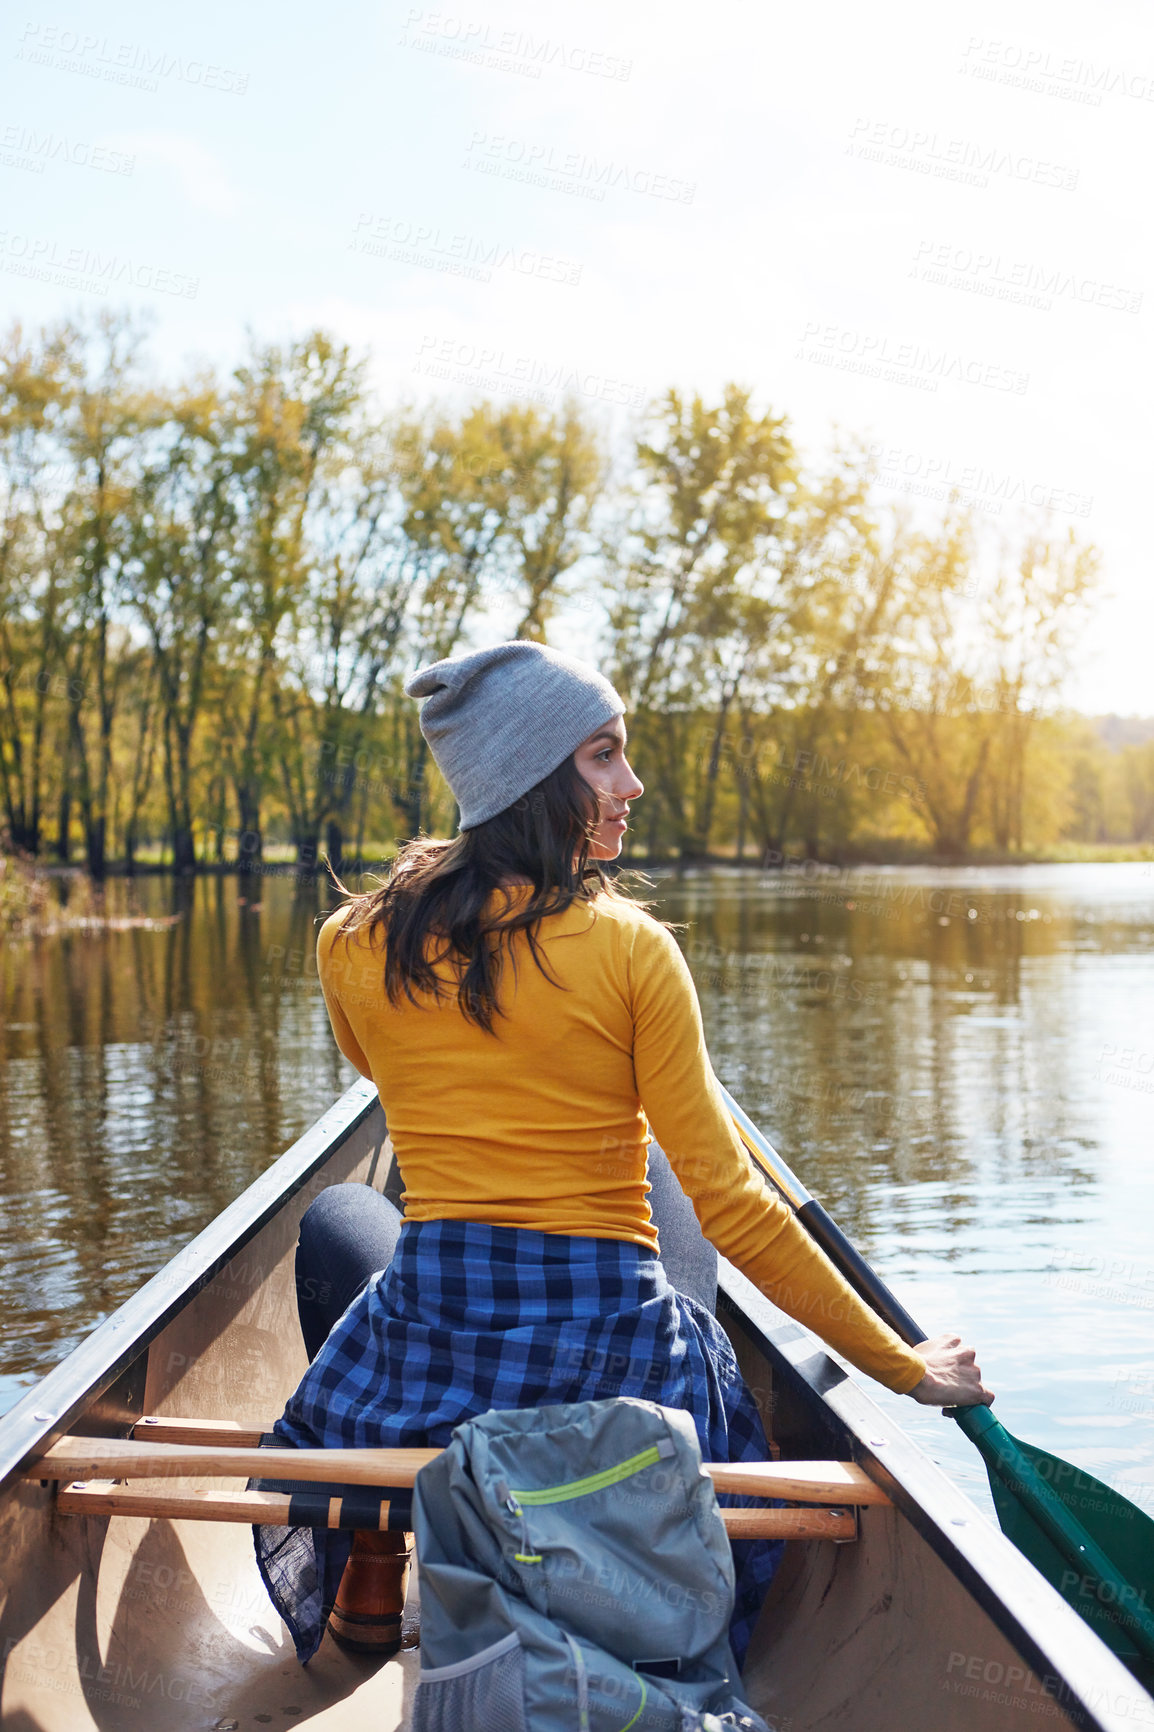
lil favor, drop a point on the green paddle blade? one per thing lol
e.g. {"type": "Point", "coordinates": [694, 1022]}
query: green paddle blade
{"type": "Point", "coordinates": [1122, 1531]}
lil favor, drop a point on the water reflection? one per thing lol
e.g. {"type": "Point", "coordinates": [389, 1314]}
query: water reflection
{"type": "Point", "coordinates": [906, 1048]}
{"type": "Point", "coordinates": [148, 1077]}
{"type": "Point", "coordinates": [960, 1064]}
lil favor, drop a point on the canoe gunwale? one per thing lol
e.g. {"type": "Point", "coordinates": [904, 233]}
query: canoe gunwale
{"type": "Point", "coordinates": [80, 1379]}
{"type": "Point", "coordinates": [1033, 1617]}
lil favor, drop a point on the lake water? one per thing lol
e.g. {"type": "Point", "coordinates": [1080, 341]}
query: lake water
{"type": "Point", "coordinates": [959, 1063]}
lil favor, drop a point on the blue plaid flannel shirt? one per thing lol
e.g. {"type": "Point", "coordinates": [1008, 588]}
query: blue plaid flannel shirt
{"type": "Point", "coordinates": [470, 1317]}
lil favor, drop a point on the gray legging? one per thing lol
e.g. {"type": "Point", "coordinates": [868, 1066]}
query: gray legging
{"type": "Point", "coordinates": [349, 1233]}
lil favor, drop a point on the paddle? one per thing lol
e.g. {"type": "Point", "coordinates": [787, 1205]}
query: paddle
{"type": "Point", "coordinates": [1088, 1541]}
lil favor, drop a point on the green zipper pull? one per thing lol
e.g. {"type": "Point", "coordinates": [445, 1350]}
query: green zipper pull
{"type": "Point", "coordinates": [595, 1481]}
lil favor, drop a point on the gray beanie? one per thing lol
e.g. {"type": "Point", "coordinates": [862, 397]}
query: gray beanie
{"type": "Point", "coordinates": [499, 720]}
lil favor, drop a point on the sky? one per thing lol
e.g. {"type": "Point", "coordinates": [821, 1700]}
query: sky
{"type": "Point", "coordinates": [918, 227]}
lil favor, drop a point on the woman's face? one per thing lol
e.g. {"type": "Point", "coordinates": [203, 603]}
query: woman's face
{"type": "Point", "coordinates": [602, 762]}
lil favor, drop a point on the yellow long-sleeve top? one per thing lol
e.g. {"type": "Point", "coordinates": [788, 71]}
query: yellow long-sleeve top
{"type": "Point", "coordinates": [543, 1125]}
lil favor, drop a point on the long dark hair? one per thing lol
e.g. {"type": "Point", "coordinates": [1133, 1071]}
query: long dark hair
{"type": "Point", "coordinates": [439, 890]}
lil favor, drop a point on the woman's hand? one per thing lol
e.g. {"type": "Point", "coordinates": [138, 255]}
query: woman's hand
{"type": "Point", "coordinates": [953, 1377]}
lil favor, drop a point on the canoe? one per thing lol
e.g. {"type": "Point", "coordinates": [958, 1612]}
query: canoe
{"type": "Point", "coordinates": [929, 1618]}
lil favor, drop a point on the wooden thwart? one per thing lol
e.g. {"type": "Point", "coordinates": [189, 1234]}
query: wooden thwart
{"type": "Point", "coordinates": [258, 1508]}
{"type": "Point", "coordinates": [85, 1458]}
{"type": "Point", "coordinates": [276, 1509]}
{"type": "Point", "coordinates": [177, 1448]}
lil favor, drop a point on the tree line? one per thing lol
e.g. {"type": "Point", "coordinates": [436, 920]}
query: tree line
{"type": "Point", "coordinates": [211, 592]}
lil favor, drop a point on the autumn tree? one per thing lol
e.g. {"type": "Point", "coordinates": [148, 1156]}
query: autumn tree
{"type": "Point", "coordinates": [1033, 614]}
{"type": "Point", "coordinates": [35, 388]}
{"type": "Point", "coordinates": [343, 655]}
{"type": "Point", "coordinates": [691, 600]}
{"type": "Point", "coordinates": [108, 415]}
{"type": "Point", "coordinates": [1138, 775]}
{"type": "Point", "coordinates": [289, 410]}
{"type": "Point", "coordinates": [181, 580]}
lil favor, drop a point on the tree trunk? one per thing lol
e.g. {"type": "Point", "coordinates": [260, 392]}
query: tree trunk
{"type": "Point", "coordinates": [183, 849]}
{"type": "Point", "coordinates": [704, 828]}
{"type": "Point", "coordinates": [98, 847]}
{"type": "Point", "coordinates": [88, 813]}
{"type": "Point", "coordinates": [772, 853]}
{"type": "Point", "coordinates": [95, 838]}
{"type": "Point", "coordinates": [742, 809]}
{"type": "Point", "coordinates": [141, 781]}
{"type": "Point", "coordinates": [361, 817]}
{"type": "Point", "coordinates": [410, 799]}
{"type": "Point", "coordinates": [183, 837]}
{"type": "Point", "coordinates": [654, 828]}
{"type": "Point", "coordinates": [64, 818]}
{"type": "Point", "coordinates": [36, 773]}
{"type": "Point", "coordinates": [14, 779]}
{"type": "Point", "coordinates": [334, 842]}
{"type": "Point", "coordinates": [250, 844]}
{"type": "Point", "coordinates": [1020, 782]}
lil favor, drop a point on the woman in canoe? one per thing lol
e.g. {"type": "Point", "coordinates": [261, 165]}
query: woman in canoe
{"type": "Point", "coordinates": [526, 1024]}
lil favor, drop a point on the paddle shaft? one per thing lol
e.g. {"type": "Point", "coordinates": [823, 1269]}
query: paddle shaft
{"type": "Point", "coordinates": [848, 1260]}
{"type": "Point", "coordinates": [304, 1509]}
{"type": "Point", "coordinates": [997, 1447]}
{"type": "Point", "coordinates": [823, 1229]}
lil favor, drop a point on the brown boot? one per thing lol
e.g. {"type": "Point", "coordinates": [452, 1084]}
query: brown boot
{"type": "Point", "coordinates": [371, 1597]}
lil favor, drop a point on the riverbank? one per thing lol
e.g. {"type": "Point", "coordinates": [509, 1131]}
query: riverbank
{"type": "Point", "coordinates": [279, 861]}
{"type": "Point", "coordinates": [32, 906]}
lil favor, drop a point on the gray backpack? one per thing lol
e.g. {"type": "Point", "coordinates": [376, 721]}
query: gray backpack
{"type": "Point", "coordinates": [575, 1574]}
